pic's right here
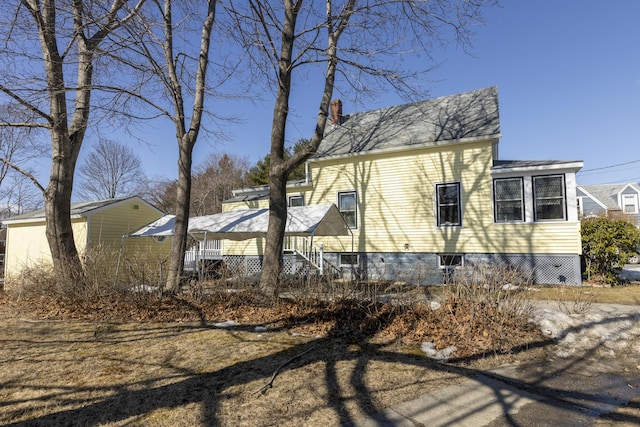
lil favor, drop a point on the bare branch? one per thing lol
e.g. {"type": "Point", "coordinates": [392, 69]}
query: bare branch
{"type": "Point", "coordinates": [30, 106]}
{"type": "Point", "coordinates": [267, 386]}
{"type": "Point", "coordinates": [24, 125]}
{"type": "Point", "coordinates": [23, 172]}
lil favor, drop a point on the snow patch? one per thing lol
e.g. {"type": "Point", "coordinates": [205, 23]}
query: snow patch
{"type": "Point", "coordinates": [443, 355]}
{"type": "Point", "coordinates": [601, 328]}
{"type": "Point", "coordinates": [227, 324]}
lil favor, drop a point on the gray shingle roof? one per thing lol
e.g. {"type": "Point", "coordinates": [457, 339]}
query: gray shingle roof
{"type": "Point", "coordinates": [510, 164]}
{"type": "Point", "coordinates": [77, 209]}
{"type": "Point", "coordinates": [248, 197]}
{"type": "Point", "coordinates": [607, 194]}
{"type": "Point", "coordinates": [470, 115]}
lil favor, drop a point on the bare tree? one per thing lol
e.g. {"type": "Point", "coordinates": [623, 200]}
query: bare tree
{"type": "Point", "coordinates": [19, 146]}
{"type": "Point", "coordinates": [55, 83]}
{"type": "Point", "coordinates": [20, 196]}
{"type": "Point", "coordinates": [214, 181]}
{"type": "Point", "coordinates": [110, 170]}
{"type": "Point", "coordinates": [360, 40]}
{"type": "Point", "coordinates": [160, 192]}
{"type": "Point", "coordinates": [172, 74]}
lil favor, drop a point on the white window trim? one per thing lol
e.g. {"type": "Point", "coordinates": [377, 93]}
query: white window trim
{"type": "Point", "coordinates": [570, 206]}
{"type": "Point", "coordinates": [634, 202]}
{"type": "Point", "coordinates": [442, 265]}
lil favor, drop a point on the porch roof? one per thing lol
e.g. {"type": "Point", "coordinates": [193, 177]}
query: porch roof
{"type": "Point", "coordinates": [243, 224]}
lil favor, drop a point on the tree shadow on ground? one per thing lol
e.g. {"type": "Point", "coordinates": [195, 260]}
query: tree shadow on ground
{"type": "Point", "coordinates": [208, 389]}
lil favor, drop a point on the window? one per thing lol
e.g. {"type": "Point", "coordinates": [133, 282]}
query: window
{"type": "Point", "coordinates": [449, 260]}
{"type": "Point", "coordinates": [548, 197]}
{"type": "Point", "coordinates": [448, 204]}
{"type": "Point", "coordinates": [297, 200]}
{"type": "Point", "coordinates": [630, 203]}
{"type": "Point", "coordinates": [508, 199]}
{"type": "Point", "coordinates": [347, 205]}
{"type": "Point", "coordinates": [348, 259]}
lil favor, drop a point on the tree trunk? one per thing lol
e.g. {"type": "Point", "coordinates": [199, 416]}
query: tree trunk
{"type": "Point", "coordinates": [183, 199]}
{"type": "Point", "coordinates": [187, 137]}
{"type": "Point", "coordinates": [57, 204]}
{"type": "Point", "coordinates": [280, 168]}
{"type": "Point", "coordinates": [272, 261]}
{"type": "Point", "coordinates": [67, 126]}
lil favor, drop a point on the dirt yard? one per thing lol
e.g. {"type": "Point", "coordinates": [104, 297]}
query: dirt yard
{"type": "Point", "coordinates": [273, 366]}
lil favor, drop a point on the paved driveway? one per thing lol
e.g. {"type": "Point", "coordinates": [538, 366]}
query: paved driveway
{"type": "Point", "coordinates": [593, 368]}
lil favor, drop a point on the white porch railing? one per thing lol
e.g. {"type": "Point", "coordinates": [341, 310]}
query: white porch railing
{"type": "Point", "coordinates": [303, 247]}
{"type": "Point", "coordinates": [210, 249]}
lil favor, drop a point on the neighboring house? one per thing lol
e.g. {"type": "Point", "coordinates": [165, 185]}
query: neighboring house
{"type": "Point", "coordinates": [95, 223]}
{"type": "Point", "coordinates": [604, 199]}
{"type": "Point", "coordinates": [423, 190]}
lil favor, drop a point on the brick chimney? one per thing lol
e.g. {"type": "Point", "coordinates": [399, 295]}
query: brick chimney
{"type": "Point", "coordinates": [335, 112]}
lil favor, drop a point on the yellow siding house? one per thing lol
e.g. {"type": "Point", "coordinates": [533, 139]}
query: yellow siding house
{"type": "Point", "coordinates": [99, 223]}
{"type": "Point", "coordinates": [423, 191]}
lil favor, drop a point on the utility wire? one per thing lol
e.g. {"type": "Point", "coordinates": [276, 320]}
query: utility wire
{"type": "Point", "coordinates": [609, 167]}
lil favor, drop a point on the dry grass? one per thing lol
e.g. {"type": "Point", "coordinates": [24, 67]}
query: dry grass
{"type": "Point", "coordinates": [623, 294]}
{"type": "Point", "coordinates": [334, 364]}
{"type": "Point", "coordinates": [115, 358]}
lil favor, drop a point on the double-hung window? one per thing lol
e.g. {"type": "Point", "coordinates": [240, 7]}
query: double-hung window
{"type": "Point", "coordinates": [630, 203]}
{"type": "Point", "coordinates": [297, 200]}
{"type": "Point", "coordinates": [508, 197]}
{"type": "Point", "coordinates": [549, 198]}
{"type": "Point", "coordinates": [348, 207]}
{"type": "Point", "coordinates": [448, 204]}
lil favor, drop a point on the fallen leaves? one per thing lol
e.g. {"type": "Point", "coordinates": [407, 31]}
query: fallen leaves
{"type": "Point", "coordinates": [472, 329]}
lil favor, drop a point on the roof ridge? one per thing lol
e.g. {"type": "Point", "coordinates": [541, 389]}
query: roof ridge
{"type": "Point", "coordinates": [424, 101]}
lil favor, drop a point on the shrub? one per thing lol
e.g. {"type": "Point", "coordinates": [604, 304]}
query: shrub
{"type": "Point", "coordinates": [42, 279]}
{"type": "Point", "coordinates": [104, 274]}
{"type": "Point", "coordinates": [607, 243]}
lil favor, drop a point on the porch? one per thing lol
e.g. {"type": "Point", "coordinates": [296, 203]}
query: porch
{"type": "Point", "coordinates": [300, 256]}
{"type": "Point", "coordinates": [303, 224]}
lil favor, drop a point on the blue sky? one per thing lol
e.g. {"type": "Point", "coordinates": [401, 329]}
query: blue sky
{"type": "Point", "coordinates": [568, 74]}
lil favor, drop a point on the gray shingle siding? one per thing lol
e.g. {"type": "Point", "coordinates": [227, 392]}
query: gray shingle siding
{"type": "Point", "coordinates": [589, 207]}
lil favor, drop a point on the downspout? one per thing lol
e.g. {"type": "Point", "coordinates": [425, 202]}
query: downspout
{"type": "Point", "coordinates": [115, 279]}
{"type": "Point", "coordinates": [202, 254]}
{"type": "Point", "coordinates": [310, 257]}
{"type": "Point", "coordinates": [87, 240]}
{"type": "Point", "coordinates": [352, 246]}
